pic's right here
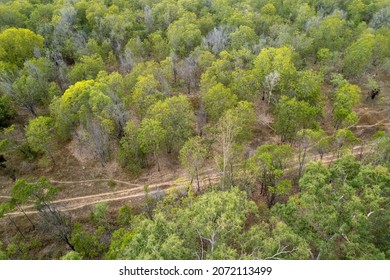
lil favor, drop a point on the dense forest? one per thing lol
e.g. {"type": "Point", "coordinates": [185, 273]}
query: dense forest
{"type": "Point", "coordinates": [194, 129]}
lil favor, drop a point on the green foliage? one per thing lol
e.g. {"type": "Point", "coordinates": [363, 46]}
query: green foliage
{"type": "Point", "coordinates": [151, 137]}
{"type": "Point", "coordinates": [345, 98]}
{"type": "Point", "coordinates": [274, 241]}
{"type": "Point", "coordinates": [97, 109]}
{"type": "Point", "coordinates": [102, 50]}
{"type": "Point", "coordinates": [3, 255]}
{"type": "Point", "coordinates": [177, 118]}
{"type": "Point", "coordinates": [27, 153]}
{"type": "Point", "coordinates": [137, 49]}
{"type": "Point", "coordinates": [87, 68]}
{"type": "Point", "coordinates": [7, 111]}
{"type": "Point", "coordinates": [99, 214]}
{"type": "Point", "coordinates": [41, 192]}
{"type": "Point", "coordinates": [193, 155]}
{"type": "Point", "coordinates": [124, 216]}
{"type": "Point", "coordinates": [378, 224]}
{"type": "Point", "coordinates": [244, 36]}
{"type": "Point", "coordinates": [292, 115]}
{"type": "Point", "coordinates": [118, 242]}
{"type": "Point", "coordinates": [245, 85]}
{"type": "Point", "coordinates": [159, 46]}
{"type": "Point", "coordinates": [32, 85]}
{"type": "Point", "coordinates": [331, 32]}
{"type": "Point", "coordinates": [184, 35]}
{"type": "Point", "coordinates": [381, 151]}
{"type": "Point", "coordinates": [41, 135]}
{"type": "Point", "coordinates": [343, 140]}
{"type": "Point", "coordinates": [113, 74]}
{"type": "Point", "coordinates": [268, 16]}
{"type": "Point", "coordinates": [316, 139]}
{"type": "Point", "coordinates": [266, 167]}
{"type": "Point", "coordinates": [11, 16]}
{"type": "Point", "coordinates": [381, 53]}
{"type": "Point", "coordinates": [359, 55]}
{"type": "Point", "coordinates": [304, 13]}
{"type": "Point", "coordinates": [130, 154]}
{"type": "Point", "coordinates": [333, 209]}
{"type": "Point", "coordinates": [278, 60]}
{"type": "Point", "coordinates": [151, 240]}
{"type": "Point", "coordinates": [233, 129]}
{"type": "Point", "coordinates": [324, 55]}
{"type": "Point", "coordinates": [244, 118]}
{"type": "Point", "coordinates": [220, 71]}
{"type": "Point", "coordinates": [308, 87]}
{"type": "Point", "coordinates": [146, 93]}
{"type": "Point", "coordinates": [40, 69]}
{"type": "Point", "coordinates": [19, 249]}
{"type": "Point", "coordinates": [89, 245]}
{"type": "Point", "coordinates": [217, 100]}
{"type": "Point", "coordinates": [287, 34]}
{"type": "Point", "coordinates": [74, 102]}
{"type": "Point", "coordinates": [18, 45]}
{"type": "Point", "coordinates": [72, 256]}
{"type": "Point", "coordinates": [215, 220]}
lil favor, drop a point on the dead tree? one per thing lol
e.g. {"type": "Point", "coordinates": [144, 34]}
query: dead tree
{"type": "Point", "coordinates": [217, 39]}
{"type": "Point", "coordinates": [270, 83]}
{"type": "Point", "coordinates": [56, 222]}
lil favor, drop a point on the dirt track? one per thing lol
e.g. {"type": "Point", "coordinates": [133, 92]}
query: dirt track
{"type": "Point", "coordinates": [132, 194]}
{"type": "Point", "coordinates": [136, 191]}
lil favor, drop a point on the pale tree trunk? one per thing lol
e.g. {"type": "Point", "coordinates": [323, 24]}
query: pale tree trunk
{"type": "Point", "coordinates": [16, 226]}
{"type": "Point", "coordinates": [226, 150]}
{"type": "Point", "coordinates": [20, 208]}
{"type": "Point", "coordinates": [197, 179]}
{"type": "Point", "coordinates": [302, 157]}
{"type": "Point", "coordinates": [157, 161]}
{"type": "Point", "coordinates": [270, 82]}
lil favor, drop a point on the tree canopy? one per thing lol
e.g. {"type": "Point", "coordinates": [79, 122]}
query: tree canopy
{"type": "Point", "coordinates": [216, 129]}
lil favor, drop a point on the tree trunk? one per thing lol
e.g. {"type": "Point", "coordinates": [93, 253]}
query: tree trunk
{"type": "Point", "coordinates": [32, 110]}
{"type": "Point", "coordinates": [70, 245]}
{"type": "Point", "coordinates": [16, 226]}
{"type": "Point", "coordinates": [157, 161]}
{"type": "Point", "coordinates": [24, 213]}
{"type": "Point", "coordinates": [51, 157]}
{"type": "Point", "coordinates": [302, 162]}
{"type": "Point", "coordinates": [231, 175]}
{"type": "Point", "coordinates": [197, 180]}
